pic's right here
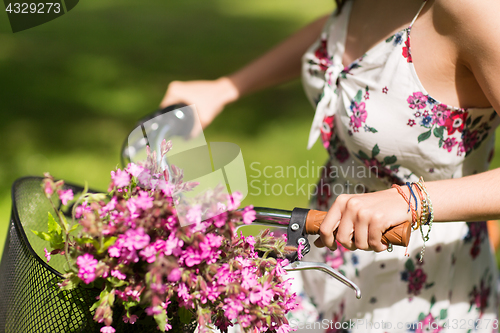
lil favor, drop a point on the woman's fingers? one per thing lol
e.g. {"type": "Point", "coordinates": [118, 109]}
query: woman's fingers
{"type": "Point", "coordinates": [375, 232]}
{"type": "Point", "coordinates": [331, 222]}
{"type": "Point", "coordinates": [357, 221]}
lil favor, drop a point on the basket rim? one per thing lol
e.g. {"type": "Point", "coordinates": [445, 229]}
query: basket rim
{"type": "Point", "coordinates": [19, 227]}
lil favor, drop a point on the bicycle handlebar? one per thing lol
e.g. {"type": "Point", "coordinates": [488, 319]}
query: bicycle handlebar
{"type": "Point", "coordinates": [397, 235]}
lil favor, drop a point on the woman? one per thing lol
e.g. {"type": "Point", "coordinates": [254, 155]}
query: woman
{"type": "Point", "coordinates": [373, 112]}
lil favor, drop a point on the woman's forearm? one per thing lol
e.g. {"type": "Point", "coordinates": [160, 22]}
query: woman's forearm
{"type": "Point", "coordinates": [471, 198]}
{"type": "Point", "coordinates": [280, 64]}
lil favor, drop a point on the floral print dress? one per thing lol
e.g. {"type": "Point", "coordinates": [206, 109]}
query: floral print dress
{"type": "Point", "coordinates": [380, 127]}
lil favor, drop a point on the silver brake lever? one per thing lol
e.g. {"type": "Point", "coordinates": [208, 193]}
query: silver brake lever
{"type": "Point", "coordinates": [305, 266]}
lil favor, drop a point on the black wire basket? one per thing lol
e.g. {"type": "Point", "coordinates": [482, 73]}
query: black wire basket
{"type": "Point", "coordinates": [30, 300]}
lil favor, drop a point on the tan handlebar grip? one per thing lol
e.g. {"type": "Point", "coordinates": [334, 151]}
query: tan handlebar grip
{"type": "Point", "coordinates": [396, 235]}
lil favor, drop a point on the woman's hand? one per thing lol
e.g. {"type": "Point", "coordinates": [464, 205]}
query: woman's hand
{"type": "Point", "coordinates": [209, 97]}
{"type": "Point", "coordinates": [359, 220]}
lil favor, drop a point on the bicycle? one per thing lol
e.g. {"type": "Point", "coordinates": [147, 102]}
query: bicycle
{"type": "Point", "coordinates": [31, 301]}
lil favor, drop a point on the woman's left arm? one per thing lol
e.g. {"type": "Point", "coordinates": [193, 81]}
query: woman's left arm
{"type": "Point", "coordinates": [476, 31]}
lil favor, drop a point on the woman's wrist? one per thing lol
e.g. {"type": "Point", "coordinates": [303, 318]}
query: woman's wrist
{"type": "Point", "coordinates": [228, 91]}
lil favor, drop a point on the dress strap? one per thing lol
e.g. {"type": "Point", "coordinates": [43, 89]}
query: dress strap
{"type": "Point", "coordinates": [415, 18]}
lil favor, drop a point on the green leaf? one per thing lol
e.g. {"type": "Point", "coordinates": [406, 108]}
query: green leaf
{"type": "Point", "coordinates": [373, 130]}
{"type": "Point", "coordinates": [84, 240]}
{"type": "Point", "coordinates": [375, 151]}
{"type": "Point", "coordinates": [43, 235]}
{"type": "Point", "coordinates": [424, 136]}
{"type": "Point", "coordinates": [388, 40]}
{"type": "Point", "coordinates": [74, 227]}
{"type": "Point", "coordinates": [443, 314]}
{"type": "Point", "coordinates": [116, 283]}
{"type": "Point", "coordinates": [64, 223]}
{"type": "Point", "coordinates": [441, 141]}
{"type": "Point", "coordinates": [438, 132]}
{"type": "Point", "coordinates": [433, 300]}
{"type": "Point", "coordinates": [108, 241]}
{"type": "Point", "coordinates": [129, 304]}
{"type": "Point", "coordinates": [421, 316]}
{"type": "Point", "coordinates": [476, 121]}
{"type": "Point", "coordinates": [358, 96]}
{"type": "Point", "coordinates": [185, 315]}
{"type": "Point", "coordinates": [363, 155]}
{"type": "Point", "coordinates": [390, 160]}
{"type": "Point", "coordinates": [409, 265]}
{"type": "Point", "coordinates": [467, 122]}
{"type": "Point", "coordinates": [395, 166]}
{"type": "Point", "coordinates": [54, 227]}
{"type": "Point", "coordinates": [95, 305]}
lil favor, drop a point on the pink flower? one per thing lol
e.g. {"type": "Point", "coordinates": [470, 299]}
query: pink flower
{"type": "Point", "coordinates": [87, 265]}
{"type": "Point", "coordinates": [117, 274]}
{"type": "Point", "coordinates": [134, 169]}
{"type": "Point", "coordinates": [114, 251]}
{"type": "Point", "coordinates": [65, 196]}
{"type": "Point", "coordinates": [48, 188]}
{"type": "Point", "coordinates": [194, 215]}
{"type": "Point", "coordinates": [107, 329]}
{"type": "Point", "coordinates": [234, 201]}
{"type": "Point", "coordinates": [440, 114]}
{"type": "Point", "coordinates": [47, 254]}
{"type": "Point", "coordinates": [261, 294]}
{"type": "Point", "coordinates": [250, 240]}
{"type": "Point", "coordinates": [172, 245]}
{"type": "Point", "coordinates": [120, 178]}
{"type": "Point", "coordinates": [131, 320]}
{"type": "Point", "coordinates": [191, 257]}
{"type": "Point", "coordinates": [83, 208]}
{"type": "Point", "coordinates": [220, 220]}
{"type": "Point", "coordinates": [429, 322]}
{"type": "Point", "coordinates": [299, 251]}
{"type": "Point", "coordinates": [232, 308]}
{"type": "Point", "coordinates": [151, 311]}
{"type": "Point", "coordinates": [248, 215]}
{"type": "Point", "coordinates": [411, 122]}
{"type": "Point", "coordinates": [183, 292]}
{"type": "Point", "coordinates": [142, 201]}
{"type": "Point", "coordinates": [359, 114]}
{"type": "Point", "coordinates": [249, 279]}
{"type": "Point", "coordinates": [385, 90]}
{"type": "Point", "coordinates": [174, 275]}
{"type": "Point", "coordinates": [136, 239]}
{"type": "Point", "coordinates": [449, 144]}
{"type": "Point", "coordinates": [285, 328]}
{"type": "Point", "coordinates": [149, 254]}
{"type": "Point", "coordinates": [417, 100]}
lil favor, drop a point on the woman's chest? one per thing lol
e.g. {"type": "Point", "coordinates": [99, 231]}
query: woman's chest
{"type": "Point", "coordinates": [435, 55]}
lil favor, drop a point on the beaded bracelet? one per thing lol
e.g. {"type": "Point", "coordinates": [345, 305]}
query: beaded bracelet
{"type": "Point", "coordinates": [425, 207]}
{"type": "Point", "coordinates": [430, 218]}
{"type": "Point", "coordinates": [427, 212]}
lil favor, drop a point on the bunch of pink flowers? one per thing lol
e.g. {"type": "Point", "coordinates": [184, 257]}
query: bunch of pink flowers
{"type": "Point", "coordinates": [131, 243]}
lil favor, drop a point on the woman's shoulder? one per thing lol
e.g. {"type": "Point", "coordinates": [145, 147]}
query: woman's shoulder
{"type": "Point", "coordinates": [465, 16]}
{"type": "Point", "coordinates": [471, 25]}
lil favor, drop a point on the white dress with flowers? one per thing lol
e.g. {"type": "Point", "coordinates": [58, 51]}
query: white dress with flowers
{"type": "Point", "coordinates": [380, 127]}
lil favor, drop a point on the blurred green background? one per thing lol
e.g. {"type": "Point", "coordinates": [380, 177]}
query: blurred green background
{"type": "Point", "coordinates": [73, 88]}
